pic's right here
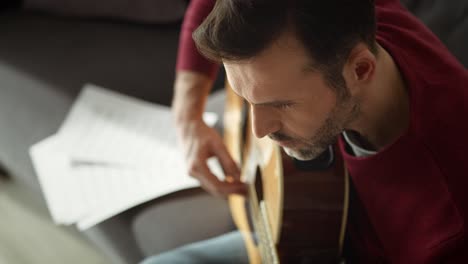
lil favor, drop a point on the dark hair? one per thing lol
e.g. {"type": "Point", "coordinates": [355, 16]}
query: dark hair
{"type": "Point", "coordinates": [328, 29]}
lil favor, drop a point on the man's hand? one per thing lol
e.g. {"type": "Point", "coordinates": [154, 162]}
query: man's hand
{"type": "Point", "coordinates": [200, 142]}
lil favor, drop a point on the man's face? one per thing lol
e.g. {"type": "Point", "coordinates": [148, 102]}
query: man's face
{"type": "Point", "coordinates": [290, 103]}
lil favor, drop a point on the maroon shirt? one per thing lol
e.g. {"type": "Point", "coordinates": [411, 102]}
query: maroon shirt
{"type": "Point", "coordinates": [411, 201]}
{"type": "Point", "coordinates": [414, 192]}
{"type": "Point", "coordinates": [188, 57]}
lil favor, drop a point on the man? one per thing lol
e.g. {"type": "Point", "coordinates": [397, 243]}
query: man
{"type": "Point", "coordinates": [366, 74]}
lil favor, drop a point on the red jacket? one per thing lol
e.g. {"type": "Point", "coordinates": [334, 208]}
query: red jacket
{"type": "Point", "coordinates": [414, 193]}
{"type": "Point", "coordinates": [412, 196]}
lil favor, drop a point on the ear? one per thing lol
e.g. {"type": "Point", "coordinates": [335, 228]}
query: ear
{"type": "Point", "coordinates": [359, 68]}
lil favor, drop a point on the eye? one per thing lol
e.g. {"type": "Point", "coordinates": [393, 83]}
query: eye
{"type": "Point", "coordinates": [284, 106]}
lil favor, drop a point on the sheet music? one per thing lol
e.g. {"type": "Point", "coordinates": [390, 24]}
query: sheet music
{"type": "Point", "coordinates": [112, 152]}
{"type": "Point", "coordinates": [59, 187]}
{"type": "Point", "coordinates": [107, 126]}
{"type": "Point", "coordinates": [105, 198]}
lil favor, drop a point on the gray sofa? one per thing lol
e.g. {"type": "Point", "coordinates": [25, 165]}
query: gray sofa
{"type": "Point", "coordinates": [45, 60]}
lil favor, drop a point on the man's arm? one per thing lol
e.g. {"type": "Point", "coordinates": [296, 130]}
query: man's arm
{"type": "Point", "coordinates": [194, 73]}
{"type": "Point", "coordinates": [194, 81]}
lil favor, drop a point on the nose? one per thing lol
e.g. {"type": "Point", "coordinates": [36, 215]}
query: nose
{"type": "Point", "coordinates": [264, 122]}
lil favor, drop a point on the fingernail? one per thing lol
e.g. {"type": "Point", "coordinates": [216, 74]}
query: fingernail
{"type": "Point", "coordinates": [229, 179]}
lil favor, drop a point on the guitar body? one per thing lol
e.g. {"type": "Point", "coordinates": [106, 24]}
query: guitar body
{"type": "Point", "coordinates": [295, 211]}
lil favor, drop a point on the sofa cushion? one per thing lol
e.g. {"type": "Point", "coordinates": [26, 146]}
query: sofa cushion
{"type": "Point", "coordinates": [181, 218]}
{"type": "Point", "coordinates": [448, 20]}
{"type": "Point", "coordinates": [144, 11]}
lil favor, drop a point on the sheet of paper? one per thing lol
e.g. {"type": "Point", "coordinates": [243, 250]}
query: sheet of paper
{"type": "Point", "coordinates": [107, 126]}
{"type": "Point", "coordinates": [90, 192]}
{"type": "Point", "coordinates": [61, 190]}
{"type": "Point", "coordinates": [112, 152]}
{"type": "Point", "coordinates": [111, 190]}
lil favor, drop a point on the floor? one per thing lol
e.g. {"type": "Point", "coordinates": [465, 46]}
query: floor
{"type": "Point", "coordinates": [28, 236]}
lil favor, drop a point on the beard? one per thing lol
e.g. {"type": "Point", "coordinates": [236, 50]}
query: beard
{"type": "Point", "coordinates": [344, 112]}
{"type": "Point", "coordinates": [312, 148]}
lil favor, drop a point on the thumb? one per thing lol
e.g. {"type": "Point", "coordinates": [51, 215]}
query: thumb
{"type": "Point", "coordinates": [230, 168]}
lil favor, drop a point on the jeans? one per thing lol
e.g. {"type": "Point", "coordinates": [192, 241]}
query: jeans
{"type": "Point", "coordinates": [225, 249]}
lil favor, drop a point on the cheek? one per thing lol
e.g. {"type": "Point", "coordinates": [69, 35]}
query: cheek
{"type": "Point", "coordinates": [301, 124]}
{"type": "Point", "coordinates": [307, 118]}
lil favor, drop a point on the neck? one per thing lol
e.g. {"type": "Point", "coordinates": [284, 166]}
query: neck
{"type": "Point", "coordinates": [384, 106]}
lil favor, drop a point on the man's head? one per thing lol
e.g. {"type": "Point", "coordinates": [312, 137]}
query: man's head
{"type": "Point", "coordinates": [300, 64]}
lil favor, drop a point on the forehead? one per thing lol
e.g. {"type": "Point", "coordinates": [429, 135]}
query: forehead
{"type": "Point", "coordinates": [276, 70]}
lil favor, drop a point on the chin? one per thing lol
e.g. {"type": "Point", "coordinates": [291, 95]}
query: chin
{"type": "Point", "coordinates": [306, 153]}
{"type": "Point", "coordinates": [302, 154]}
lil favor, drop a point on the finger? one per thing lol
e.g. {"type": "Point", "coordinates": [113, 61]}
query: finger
{"type": "Point", "coordinates": [212, 184]}
{"type": "Point", "coordinates": [220, 188]}
{"type": "Point", "coordinates": [230, 168]}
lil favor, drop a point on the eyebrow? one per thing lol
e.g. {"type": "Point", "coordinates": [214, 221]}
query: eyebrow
{"type": "Point", "coordinates": [272, 103]}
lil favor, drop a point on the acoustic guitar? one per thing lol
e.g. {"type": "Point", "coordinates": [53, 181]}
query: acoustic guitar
{"type": "Point", "coordinates": [295, 212]}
